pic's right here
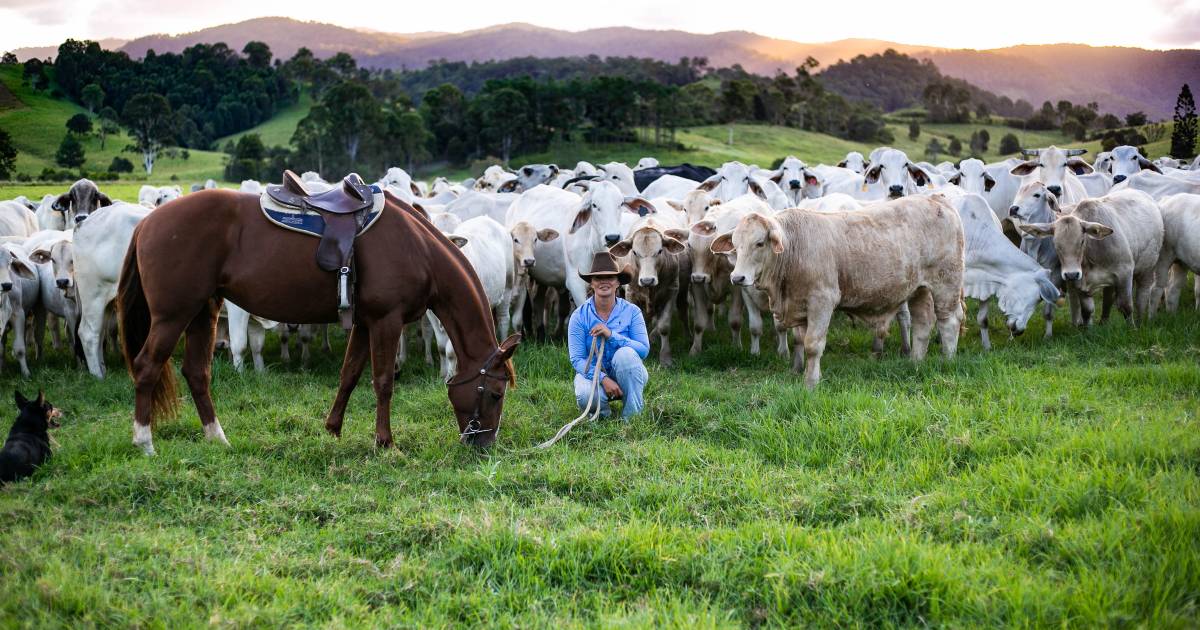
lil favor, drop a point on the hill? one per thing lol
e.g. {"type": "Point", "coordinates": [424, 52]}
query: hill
{"type": "Point", "coordinates": [37, 123]}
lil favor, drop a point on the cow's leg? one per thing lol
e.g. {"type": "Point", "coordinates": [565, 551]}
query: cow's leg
{"type": "Point", "coordinates": [328, 347]}
{"type": "Point", "coordinates": [18, 344]}
{"type": "Point", "coordinates": [306, 337]}
{"type": "Point", "coordinates": [443, 343]}
{"type": "Point", "coordinates": [285, 339]}
{"type": "Point", "coordinates": [402, 349]}
{"type": "Point", "coordinates": [981, 318]}
{"type": "Point", "coordinates": [1087, 306]}
{"type": "Point", "coordinates": [663, 326]}
{"type": "Point", "coordinates": [1143, 290]}
{"type": "Point", "coordinates": [537, 311]}
{"type": "Point", "coordinates": [904, 320]}
{"type": "Point", "coordinates": [385, 335]}
{"type": "Point", "coordinates": [755, 320]}
{"type": "Point", "coordinates": [701, 313]}
{"type": "Point", "coordinates": [564, 314]}
{"type": "Point", "coordinates": [258, 335]}
{"type": "Point", "coordinates": [882, 329]}
{"type": "Point", "coordinates": [1109, 297]}
{"type": "Point", "coordinates": [147, 370]}
{"type": "Point", "coordinates": [517, 304]}
{"type": "Point", "coordinates": [1168, 281]}
{"type": "Point", "coordinates": [1048, 315]}
{"type": "Point", "coordinates": [920, 306]}
{"type": "Point", "coordinates": [814, 341]}
{"type": "Point", "coordinates": [427, 340]}
{"type": "Point", "coordinates": [501, 313]}
{"type": "Point", "coordinates": [735, 315]}
{"type": "Point", "coordinates": [237, 325]}
{"type": "Point", "coordinates": [798, 360]}
{"type": "Point", "coordinates": [55, 336]}
{"type": "Point", "coordinates": [1075, 300]}
{"type": "Point", "coordinates": [782, 345]}
{"type": "Point", "coordinates": [197, 367]}
{"type": "Point", "coordinates": [949, 313]}
{"type": "Point", "coordinates": [39, 330]}
{"type": "Point", "coordinates": [91, 326]}
{"type": "Point", "coordinates": [357, 351]}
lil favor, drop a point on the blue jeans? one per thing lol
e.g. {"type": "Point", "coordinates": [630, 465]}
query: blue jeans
{"type": "Point", "coordinates": [629, 373]}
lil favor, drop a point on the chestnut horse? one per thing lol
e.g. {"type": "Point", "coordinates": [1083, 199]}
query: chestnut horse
{"type": "Point", "coordinates": [194, 251]}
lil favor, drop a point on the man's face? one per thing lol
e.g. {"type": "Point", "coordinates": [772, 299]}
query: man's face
{"type": "Point", "coordinates": [604, 287]}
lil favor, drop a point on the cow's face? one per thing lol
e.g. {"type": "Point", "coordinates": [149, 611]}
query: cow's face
{"type": "Point", "coordinates": [648, 246]}
{"type": "Point", "coordinates": [1103, 163]}
{"type": "Point", "coordinates": [732, 181]}
{"type": "Point", "coordinates": [619, 175]}
{"type": "Point", "coordinates": [1019, 300]}
{"type": "Point", "coordinates": [60, 255]}
{"type": "Point", "coordinates": [1033, 203]}
{"type": "Point", "coordinates": [973, 177]}
{"type": "Point", "coordinates": [796, 180]}
{"type": "Point", "coordinates": [855, 162]}
{"type": "Point", "coordinates": [1071, 235]}
{"type": "Point", "coordinates": [168, 193]}
{"type": "Point", "coordinates": [15, 266]}
{"type": "Point", "coordinates": [1051, 165]}
{"type": "Point", "coordinates": [601, 212]}
{"type": "Point", "coordinates": [1127, 161]}
{"type": "Point", "coordinates": [524, 237]}
{"type": "Point", "coordinates": [695, 205]}
{"type": "Point", "coordinates": [80, 201]}
{"type": "Point", "coordinates": [895, 174]}
{"type": "Point", "coordinates": [646, 162]}
{"type": "Point", "coordinates": [532, 175]}
{"type": "Point", "coordinates": [705, 263]}
{"type": "Point", "coordinates": [753, 242]}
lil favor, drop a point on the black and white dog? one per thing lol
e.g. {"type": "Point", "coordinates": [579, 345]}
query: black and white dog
{"type": "Point", "coordinates": [28, 444]}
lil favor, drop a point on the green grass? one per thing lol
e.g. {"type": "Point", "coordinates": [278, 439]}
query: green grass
{"type": "Point", "coordinates": [279, 129]}
{"type": "Point", "coordinates": [38, 125]}
{"type": "Point", "coordinates": [1046, 483]}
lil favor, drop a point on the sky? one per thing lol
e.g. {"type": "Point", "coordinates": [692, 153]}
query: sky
{"type": "Point", "coordinates": [969, 24]}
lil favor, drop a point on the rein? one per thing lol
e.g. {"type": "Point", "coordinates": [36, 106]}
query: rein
{"type": "Point", "coordinates": [473, 426]}
{"type": "Point", "coordinates": [592, 394]}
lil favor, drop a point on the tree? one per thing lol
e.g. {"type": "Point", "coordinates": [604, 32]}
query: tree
{"type": "Point", "coordinates": [1109, 121]}
{"type": "Point", "coordinates": [914, 130]}
{"type": "Point", "coordinates": [979, 142]}
{"type": "Point", "coordinates": [258, 54]}
{"type": "Point", "coordinates": [92, 96]}
{"type": "Point", "coordinates": [934, 149]}
{"type": "Point", "coordinates": [8, 155]}
{"type": "Point", "coordinates": [1183, 138]}
{"type": "Point", "coordinates": [1009, 144]}
{"type": "Point", "coordinates": [353, 114]}
{"type": "Point", "coordinates": [70, 153]}
{"type": "Point", "coordinates": [1136, 119]}
{"type": "Point", "coordinates": [9, 59]}
{"type": "Point", "coordinates": [955, 146]}
{"type": "Point", "coordinates": [79, 124]}
{"type": "Point", "coordinates": [152, 124]}
{"type": "Point", "coordinates": [107, 124]}
{"type": "Point", "coordinates": [409, 137]}
{"type": "Point", "coordinates": [120, 165]}
{"type": "Point", "coordinates": [502, 114]}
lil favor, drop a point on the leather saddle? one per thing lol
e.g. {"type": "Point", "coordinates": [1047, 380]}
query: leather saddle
{"type": "Point", "coordinates": [342, 213]}
{"type": "Point", "coordinates": [342, 208]}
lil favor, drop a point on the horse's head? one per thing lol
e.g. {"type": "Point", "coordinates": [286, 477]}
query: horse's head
{"type": "Point", "coordinates": [477, 394]}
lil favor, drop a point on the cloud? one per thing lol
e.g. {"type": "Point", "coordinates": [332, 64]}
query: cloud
{"type": "Point", "coordinates": [43, 12]}
{"type": "Point", "coordinates": [1183, 30]}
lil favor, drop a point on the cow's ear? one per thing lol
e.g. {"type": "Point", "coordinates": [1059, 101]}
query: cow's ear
{"type": "Point", "coordinates": [956, 178]}
{"type": "Point", "coordinates": [621, 249]}
{"type": "Point", "coordinates": [778, 176]}
{"type": "Point", "coordinates": [1052, 201]}
{"type": "Point", "coordinates": [723, 244]}
{"type": "Point", "coordinates": [1079, 167]}
{"type": "Point", "coordinates": [547, 234]}
{"type": "Point", "coordinates": [1037, 229]}
{"type": "Point", "coordinates": [102, 200]}
{"type": "Point", "coordinates": [581, 218]}
{"type": "Point", "coordinates": [22, 269]}
{"type": "Point", "coordinates": [413, 187]}
{"type": "Point", "coordinates": [757, 189]}
{"type": "Point", "coordinates": [842, 164]}
{"type": "Point", "coordinates": [811, 179]}
{"type": "Point", "coordinates": [63, 203]}
{"type": "Point", "coordinates": [1098, 231]}
{"type": "Point", "coordinates": [775, 235]}
{"type": "Point", "coordinates": [672, 245]}
{"type": "Point", "coordinates": [508, 186]}
{"type": "Point", "coordinates": [714, 202]}
{"type": "Point", "coordinates": [1147, 165]}
{"type": "Point", "coordinates": [676, 205]}
{"type": "Point", "coordinates": [1024, 168]}
{"type": "Point", "coordinates": [1047, 290]}
{"type": "Point", "coordinates": [459, 241]}
{"type": "Point", "coordinates": [988, 182]}
{"type": "Point", "coordinates": [20, 399]}
{"type": "Point", "coordinates": [639, 206]}
{"type": "Point", "coordinates": [919, 175]}
{"type": "Point", "coordinates": [40, 256]}
{"type": "Point", "coordinates": [704, 228]}
{"type": "Point", "coordinates": [710, 184]}
{"type": "Point", "coordinates": [872, 174]}
{"type": "Point", "coordinates": [677, 234]}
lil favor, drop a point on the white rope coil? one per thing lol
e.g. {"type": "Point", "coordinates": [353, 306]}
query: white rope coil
{"type": "Point", "coordinates": [593, 393]}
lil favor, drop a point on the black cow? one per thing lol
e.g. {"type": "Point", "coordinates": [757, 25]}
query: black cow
{"type": "Point", "coordinates": [646, 176]}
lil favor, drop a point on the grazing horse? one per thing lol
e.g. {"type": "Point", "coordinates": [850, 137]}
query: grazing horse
{"type": "Point", "coordinates": [192, 252]}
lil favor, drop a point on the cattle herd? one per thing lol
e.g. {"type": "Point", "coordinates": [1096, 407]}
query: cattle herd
{"type": "Point", "coordinates": [879, 237]}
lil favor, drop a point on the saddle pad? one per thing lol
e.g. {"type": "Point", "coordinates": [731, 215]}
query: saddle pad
{"type": "Point", "coordinates": [307, 222]}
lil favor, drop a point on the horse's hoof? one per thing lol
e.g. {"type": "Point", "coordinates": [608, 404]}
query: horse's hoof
{"type": "Point", "coordinates": [383, 442]}
{"type": "Point", "coordinates": [334, 431]}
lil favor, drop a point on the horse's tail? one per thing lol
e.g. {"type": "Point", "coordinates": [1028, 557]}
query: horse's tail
{"type": "Point", "coordinates": [133, 313]}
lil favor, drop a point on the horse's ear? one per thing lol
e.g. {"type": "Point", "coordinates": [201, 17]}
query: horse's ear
{"type": "Point", "coordinates": [509, 346]}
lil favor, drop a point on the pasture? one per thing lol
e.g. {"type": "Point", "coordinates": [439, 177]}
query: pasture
{"type": "Point", "coordinates": [1046, 483]}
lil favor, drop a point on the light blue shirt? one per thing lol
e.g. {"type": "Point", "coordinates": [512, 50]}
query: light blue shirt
{"type": "Point", "coordinates": [628, 330]}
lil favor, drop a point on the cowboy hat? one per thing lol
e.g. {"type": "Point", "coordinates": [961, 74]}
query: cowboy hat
{"type": "Point", "coordinates": [603, 264]}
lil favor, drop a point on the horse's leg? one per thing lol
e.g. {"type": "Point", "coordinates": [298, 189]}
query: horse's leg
{"type": "Point", "coordinates": [197, 367]}
{"type": "Point", "coordinates": [147, 369]}
{"type": "Point", "coordinates": [352, 367]}
{"type": "Point", "coordinates": [385, 336]}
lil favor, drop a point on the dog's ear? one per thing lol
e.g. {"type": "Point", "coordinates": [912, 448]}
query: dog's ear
{"type": "Point", "coordinates": [41, 399]}
{"type": "Point", "coordinates": [21, 400]}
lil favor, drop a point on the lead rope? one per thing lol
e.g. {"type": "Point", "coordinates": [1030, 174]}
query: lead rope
{"type": "Point", "coordinates": [593, 394]}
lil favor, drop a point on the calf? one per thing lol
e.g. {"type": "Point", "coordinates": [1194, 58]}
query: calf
{"type": "Point", "coordinates": [658, 259]}
{"type": "Point", "coordinates": [52, 252]}
{"type": "Point", "coordinates": [1180, 249]}
{"type": "Point", "coordinates": [19, 290]}
{"type": "Point", "coordinates": [82, 199]}
{"type": "Point", "coordinates": [16, 219]}
{"type": "Point", "coordinates": [1111, 241]}
{"type": "Point", "coordinates": [1058, 169]}
{"type": "Point", "coordinates": [797, 181]}
{"type": "Point", "coordinates": [865, 263]}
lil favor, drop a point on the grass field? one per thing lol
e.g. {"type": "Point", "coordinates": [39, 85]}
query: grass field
{"type": "Point", "coordinates": [1047, 483]}
{"type": "Point", "coordinates": [279, 129]}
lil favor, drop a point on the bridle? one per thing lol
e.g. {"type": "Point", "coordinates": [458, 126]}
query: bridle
{"type": "Point", "coordinates": [473, 425]}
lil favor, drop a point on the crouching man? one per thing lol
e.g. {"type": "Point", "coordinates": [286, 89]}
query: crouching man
{"type": "Point", "coordinates": [620, 323]}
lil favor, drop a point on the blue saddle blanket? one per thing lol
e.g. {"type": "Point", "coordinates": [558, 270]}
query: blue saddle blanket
{"type": "Point", "coordinates": [308, 222]}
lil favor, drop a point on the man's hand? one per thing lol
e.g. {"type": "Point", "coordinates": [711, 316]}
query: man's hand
{"type": "Point", "coordinates": [611, 389]}
{"type": "Point", "coordinates": [600, 330]}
